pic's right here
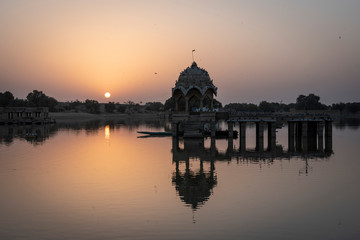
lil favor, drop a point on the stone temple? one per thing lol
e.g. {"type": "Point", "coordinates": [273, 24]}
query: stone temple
{"type": "Point", "coordinates": [193, 94]}
{"type": "Point", "coordinates": [194, 86]}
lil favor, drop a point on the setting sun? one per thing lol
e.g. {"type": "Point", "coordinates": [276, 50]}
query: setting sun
{"type": "Point", "coordinates": [107, 94]}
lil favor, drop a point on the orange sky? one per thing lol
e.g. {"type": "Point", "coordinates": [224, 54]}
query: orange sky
{"type": "Point", "coordinates": [253, 50]}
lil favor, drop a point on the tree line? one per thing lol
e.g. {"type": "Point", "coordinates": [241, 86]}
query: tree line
{"type": "Point", "coordinates": [309, 102]}
{"type": "Point", "coordinates": [37, 98]}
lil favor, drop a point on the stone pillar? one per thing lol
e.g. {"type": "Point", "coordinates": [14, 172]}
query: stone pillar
{"type": "Point", "coordinates": [320, 133]}
{"type": "Point", "coordinates": [271, 136]}
{"type": "Point", "coordinates": [211, 103]}
{"type": "Point", "coordinates": [174, 129]}
{"type": "Point", "coordinates": [304, 136]}
{"type": "Point", "coordinates": [187, 104]}
{"type": "Point", "coordinates": [177, 105]}
{"type": "Point", "coordinates": [201, 104]}
{"type": "Point", "coordinates": [242, 136]}
{"type": "Point", "coordinates": [291, 136]}
{"type": "Point", "coordinates": [213, 129]}
{"type": "Point", "coordinates": [175, 144]}
{"type": "Point", "coordinates": [259, 136]}
{"type": "Point", "coordinates": [213, 147]}
{"type": "Point", "coordinates": [230, 129]}
{"type": "Point", "coordinates": [328, 136]}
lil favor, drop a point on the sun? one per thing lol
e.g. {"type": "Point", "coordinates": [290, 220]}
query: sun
{"type": "Point", "coordinates": [107, 94]}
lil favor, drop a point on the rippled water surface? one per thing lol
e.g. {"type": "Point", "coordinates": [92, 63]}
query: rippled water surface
{"type": "Point", "coordinates": [104, 182]}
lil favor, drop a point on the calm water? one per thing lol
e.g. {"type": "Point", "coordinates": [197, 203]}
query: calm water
{"type": "Point", "coordinates": [101, 181]}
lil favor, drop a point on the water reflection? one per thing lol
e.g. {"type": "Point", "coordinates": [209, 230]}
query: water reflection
{"type": "Point", "coordinates": [107, 132]}
{"type": "Point", "coordinates": [351, 123]}
{"type": "Point", "coordinates": [38, 134]}
{"type": "Point", "coordinates": [194, 183]}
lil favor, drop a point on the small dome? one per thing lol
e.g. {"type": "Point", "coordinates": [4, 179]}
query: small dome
{"type": "Point", "coordinates": [194, 77]}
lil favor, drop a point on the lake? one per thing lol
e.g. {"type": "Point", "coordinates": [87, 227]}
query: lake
{"type": "Point", "coordinates": [102, 180]}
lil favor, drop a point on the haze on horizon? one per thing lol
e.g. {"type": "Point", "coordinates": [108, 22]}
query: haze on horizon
{"type": "Point", "coordinates": [253, 50]}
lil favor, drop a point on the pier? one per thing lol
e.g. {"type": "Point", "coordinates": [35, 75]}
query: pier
{"type": "Point", "coordinates": [25, 115]}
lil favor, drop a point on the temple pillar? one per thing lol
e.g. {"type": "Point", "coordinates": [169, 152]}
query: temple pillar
{"type": "Point", "coordinates": [187, 104]}
{"type": "Point", "coordinates": [213, 129]}
{"type": "Point", "coordinates": [175, 143]}
{"type": "Point", "coordinates": [213, 147]}
{"type": "Point", "coordinates": [177, 105]}
{"type": "Point", "coordinates": [175, 129]}
{"type": "Point", "coordinates": [212, 103]}
{"type": "Point", "coordinates": [201, 103]}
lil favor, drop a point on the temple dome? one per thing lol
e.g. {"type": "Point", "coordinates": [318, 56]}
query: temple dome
{"type": "Point", "coordinates": [194, 77]}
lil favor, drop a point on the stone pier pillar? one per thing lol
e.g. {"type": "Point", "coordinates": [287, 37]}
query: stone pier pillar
{"type": "Point", "coordinates": [328, 136]}
{"type": "Point", "coordinates": [298, 136]}
{"type": "Point", "coordinates": [242, 136]}
{"type": "Point", "coordinates": [230, 129]}
{"type": "Point", "coordinates": [304, 136]}
{"type": "Point", "coordinates": [312, 135]}
{"type": "Point", "coordinates": [259, 136]}
{"type": "Point", "coordinates": [271, 136]}
{"type": "Point", "coordinates": [291, 136]}
{"type": "Point", "coordinates": [320, 134]}
{"type": "Point", "coordinates": [230, 148]}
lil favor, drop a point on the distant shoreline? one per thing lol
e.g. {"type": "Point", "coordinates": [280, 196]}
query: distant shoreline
{"type": "Point", "coordinates": [68, 117]}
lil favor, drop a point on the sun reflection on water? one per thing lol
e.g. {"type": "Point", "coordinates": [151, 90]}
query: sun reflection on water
{"type": "Point", "coordinates": [107, 132]}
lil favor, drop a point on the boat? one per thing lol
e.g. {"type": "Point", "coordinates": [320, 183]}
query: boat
{"type": "Point", "coordinates": [155, 133]}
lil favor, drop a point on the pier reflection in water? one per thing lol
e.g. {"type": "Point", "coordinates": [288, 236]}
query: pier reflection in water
{"type": "Point", "coordinates": [194, 183]}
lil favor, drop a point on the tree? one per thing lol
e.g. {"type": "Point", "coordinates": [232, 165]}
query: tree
{"type": "Point", "coordinates": [310, 102]}
{"type": "Point", "coordinates": [266, 106]}
{"type": "Point", "coordinates": [353, 107]}
{"type": "Point", "coordinates": [339, 106]}
{"type": "Point", "coordinates": [169, 104]}
{"type": "Point", "coordinates": [92, 106]}
{"type": "Point", "coordinates": [154, 106]}
{"type": "Point", "coordinates": [6, 99]}
{"type": "Point", "coordinates": [110, 107]}
{"type": "Point", "coordinates": [39, 99]}
{"type": "Point", "coordinates": [121, 108]}
{"type": "Point", "coordinates": [242, 107]}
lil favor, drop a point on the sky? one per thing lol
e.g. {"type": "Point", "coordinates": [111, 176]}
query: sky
{"type": "Point", "coordinates": [270, 50]}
